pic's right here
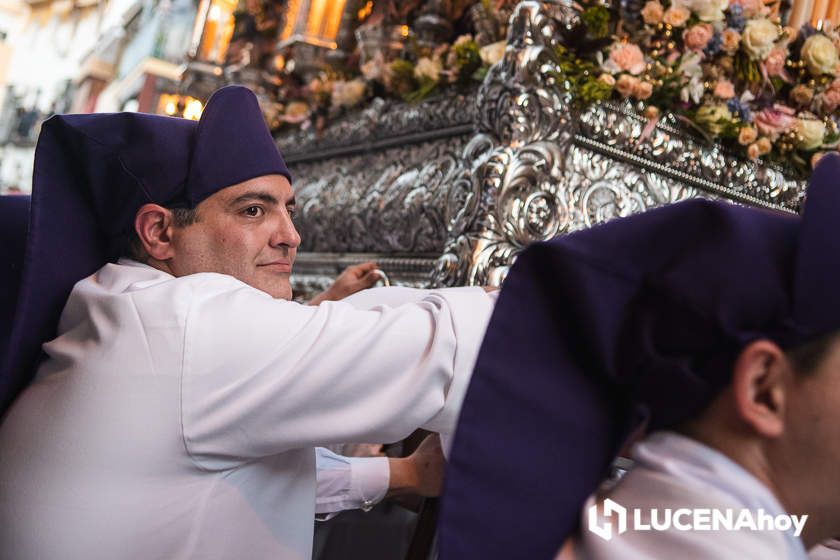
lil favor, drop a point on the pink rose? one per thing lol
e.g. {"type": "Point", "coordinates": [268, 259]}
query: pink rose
{"type": "Point", "coordinates": [643, 90]}
{"type": "Point", "coordinates": [830, 99]}
{"type": "Point", "coordinates": [676, 16]}
{"type": "Point", "coordinates": [698, 36]}
{"type": "Point", "coordinates": [751, 8]}
{"type": "Point", "coordinates": [724, 89]}
{"type": "Point", "coordinates": [629, 58]}
{"type": "Point", "coordinates": [731, 40]}
{"type": "Point", "coordinates": [775, 62]}
{"type": "Point", "coordinates": [773, 121]}
{"type": "Point", "coordinates": [652, 12]}
{"type": "Point", "coordinates": [626, 85]}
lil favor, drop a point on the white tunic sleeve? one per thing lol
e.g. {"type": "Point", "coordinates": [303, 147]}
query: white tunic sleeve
{"type": "Point", "coordinates": [261, 376]}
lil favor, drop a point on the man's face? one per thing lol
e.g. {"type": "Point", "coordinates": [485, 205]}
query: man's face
{"type": "Point", "coordinates": [245, 231]}
{"type": "Point", "coordinates": [809, 451]}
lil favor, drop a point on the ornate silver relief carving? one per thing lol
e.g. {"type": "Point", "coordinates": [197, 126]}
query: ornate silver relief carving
{"type": "Point", "coordinates": [526, 128]}
{"type": "Point", "coordinates": [615, 129]}
{"type": "Point", "coordinates": [383, 121]}
{"type": "Point", "coordinates": [393, 201]}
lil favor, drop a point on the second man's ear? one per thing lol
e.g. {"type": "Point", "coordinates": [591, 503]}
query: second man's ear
{"type": "Point", "coordinates": [153, 224]}
{"type": "Point", "coordinates": [760, 379]}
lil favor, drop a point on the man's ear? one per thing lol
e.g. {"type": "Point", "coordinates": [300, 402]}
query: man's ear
{"type": "Point", "coordinates": [760, 379]}
{"type": "Point", "coordinates": [153, 224]}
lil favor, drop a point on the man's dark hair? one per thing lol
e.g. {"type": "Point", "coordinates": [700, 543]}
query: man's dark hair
{"type": "Point", "coordinates": [133, 247]}
{"type": "Point", "coordinates": [807, 357]}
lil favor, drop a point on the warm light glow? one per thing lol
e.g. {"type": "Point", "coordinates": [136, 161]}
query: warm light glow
{"type": "Point", "coordinates": [333, 21]}
{"type": "Point", "coordinates": [320, 23]}
{"type": "Point", "coordinates": [316, 17]}
{"type": "Point", "coordinates": [292, 10]}
{"type": "Point", "coordinates": [365, 11]}
{"type": "Point", "coordinates": [167, 104]}
{"type": "Point", "coordinates": [193, 109]}
{"type": "Point", "coordinates": [404, 30]}
{"type": "Point", "coordinates": [218, 29]}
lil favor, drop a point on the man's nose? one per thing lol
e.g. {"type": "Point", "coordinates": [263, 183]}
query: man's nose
{"type": "Point", "coordinates": [285, 232]}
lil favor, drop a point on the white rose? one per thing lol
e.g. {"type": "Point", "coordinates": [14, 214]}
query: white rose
{"type": "Point", "coordinates": [462, 39]}
{"type": "Point", "coordinates": [810, 133]}
{"type": "Point", "coordinates": [710, 10]}
{"type": "Point", "coordinates": [819, 54]}
{"type": "Point", "coordinates": [758, 38]}
{"type": "Point", "coordinates": [373, 68]}
{"type": "Point", "coordinates": [492, 53]}
{"type": "Point", "coordinates": [348, 94]}
{"type": "Point", "coordinates": [428, 68]}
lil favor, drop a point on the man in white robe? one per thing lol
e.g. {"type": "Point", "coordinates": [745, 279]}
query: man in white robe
{"type": "Point", "coordinates": [177, 409]}
{"type": "Point", "coordinates": [716, 328]}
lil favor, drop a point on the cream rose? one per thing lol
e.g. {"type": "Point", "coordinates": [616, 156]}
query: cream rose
{"type": "Point", "coordinates": [296, 112]}
{"type": "Point", "coordinates": [819, 54]}
{"type": "Point", "coordinates": [710, 10]}
{"type": "Point", "coordinates": [492, 53]}
{"type": "Point", "coordinates": [709, 116]}
{"type": "Point", "coordinates": [462, 39]}
{"type": "Point", "coordinates": [372, 69]}
{"type": "Point", "coordinates": [652, 12]}
{"type": "Point", "coordinates": [348, 94]}
{"type": "Point", "coordinates": [758, 38]}
{"type": "Point", "coordinates": [676, 16]}
{"type": "Point", "coordinates": [809, 133]}
{"type": "Point", "coordinates": [427, 68]}
{"type": "Point", "coordinates": [607, 79]}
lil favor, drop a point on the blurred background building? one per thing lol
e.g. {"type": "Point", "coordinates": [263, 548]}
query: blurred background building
{"type": "Point", "coordinates": [307, 60]}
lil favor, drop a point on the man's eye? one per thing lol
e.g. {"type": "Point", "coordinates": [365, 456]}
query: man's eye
{"type": "Point", "coordinates": [292, 213]}
{"type": "Point", "coordinates": [253, 211]}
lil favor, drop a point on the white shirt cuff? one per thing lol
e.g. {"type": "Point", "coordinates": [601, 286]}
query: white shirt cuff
{"type": "Point", "coordinates": [349, 482]}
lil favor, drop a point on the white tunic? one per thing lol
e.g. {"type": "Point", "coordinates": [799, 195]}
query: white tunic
{"type": "Point", "coordinates": [673, 471]}
{"type": "Point", "coordinates": [176, 417]}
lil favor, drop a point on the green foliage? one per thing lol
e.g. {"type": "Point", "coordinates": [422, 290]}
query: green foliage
{"type": "Point", "coordinates": [580, 77]}
{"type": "Point", "coordinates": [426, 88]}
{"type": "Point", "coordinates": [403, 81]}
{"type": "Point", "coordinates": [747, 70]}
{"type": "Point", "coordinates": [597, 21]}
{"type": "Point", "coordinates": [468, 59]}
{"type": "Point", "coordinates": [593, 90]}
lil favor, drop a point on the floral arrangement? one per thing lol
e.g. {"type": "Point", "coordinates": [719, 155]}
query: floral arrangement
{"type": "Point", "coordinates": [413, 73]}
{"type": "Point", "coordinates": [727, 68]}
{"type": "Point", "coordinates": [334, 92]}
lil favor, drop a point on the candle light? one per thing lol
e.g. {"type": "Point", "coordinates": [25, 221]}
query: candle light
{"type": "Point", "coordinates": [819, 12]}
{"type": "Point", "coordinates": [833, 12]}
{"type": "Point", "coordinates": [799, 13]}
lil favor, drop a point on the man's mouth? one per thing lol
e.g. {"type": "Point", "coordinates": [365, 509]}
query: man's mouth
{"type": "Point", "coordinates": [279, 266]}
